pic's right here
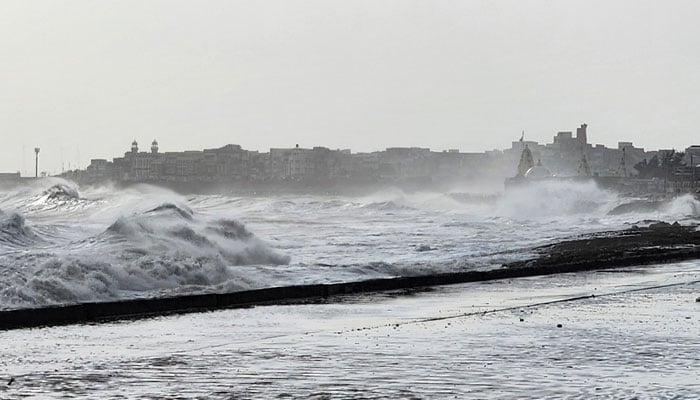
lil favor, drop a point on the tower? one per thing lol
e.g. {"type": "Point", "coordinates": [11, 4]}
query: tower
{"type": "Point", "coordinates": [134, 147]}
{"type": "Point", "coordinates": [581, 134]}
{"type": "Point", "coordinates": [154, 147]}
{"type": "Point", "coordinates": [36, 162]}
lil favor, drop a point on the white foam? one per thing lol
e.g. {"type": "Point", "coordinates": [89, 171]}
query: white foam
{"type": "Point", "coordinates": [104, 242]}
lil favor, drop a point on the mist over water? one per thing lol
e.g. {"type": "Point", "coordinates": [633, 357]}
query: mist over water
{"type": "Point", "coordinates": [61, 244]}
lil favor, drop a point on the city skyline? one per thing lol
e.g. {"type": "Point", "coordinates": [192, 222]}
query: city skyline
{"type": "Point", "coordinates": [567, 156]}
{"type": "Point", "coordinates": [29, 160]}
{"type": "Point", "coordinates": [81, 79]}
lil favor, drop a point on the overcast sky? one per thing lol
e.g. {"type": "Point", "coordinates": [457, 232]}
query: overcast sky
{"type": "Point", "coordinates": [82, 79]}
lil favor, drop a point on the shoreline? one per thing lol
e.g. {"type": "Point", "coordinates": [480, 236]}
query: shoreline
{"type": "Point", "coordinates": [658, 244]}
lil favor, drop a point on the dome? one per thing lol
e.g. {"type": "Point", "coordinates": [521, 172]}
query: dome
{"type": "Point", "coordinates": [538, 172]}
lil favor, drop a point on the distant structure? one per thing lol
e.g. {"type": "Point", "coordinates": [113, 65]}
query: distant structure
{"type": "Point", "coordinates": [36, 162]}
{"type": "Point", "coordinates": [692, 155]}
{"type": "Point", "coordinates": [566, 157]}
{"type": "Point", "coordinates": [622, 169]}
{"type": "Point", "coordinates": [583, 168]}
{"type": "Point", "coordinates": [526, 161]}
{"type": "Point", "coordinates": [538, 172]}
{"type": "Point", "coordinates": [231, 163]}
{"type": "Point", "coordinates": [581, 134]}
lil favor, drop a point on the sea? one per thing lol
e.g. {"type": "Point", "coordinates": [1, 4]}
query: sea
{"type": "Point", "coordinates": [65, 244]}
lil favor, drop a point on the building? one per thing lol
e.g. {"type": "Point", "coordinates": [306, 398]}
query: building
{"type": "Point", "coordinates": [566, 156]}
{"type": "Point", "coordinates": [692, 155]}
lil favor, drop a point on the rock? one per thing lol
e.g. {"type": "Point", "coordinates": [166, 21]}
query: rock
{"type": "Point", "coordinates": [522, 319]}
{"type": "Point", "coordinates": [660, 225]}
{"type": "Point", "coordinates": [424, 247]}
{"type": "Point", "coordinates": [697, 300]}
{"type": "Point", "coordinates": [559, 325]}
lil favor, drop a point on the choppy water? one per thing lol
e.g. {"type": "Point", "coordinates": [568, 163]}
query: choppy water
{"type": "Point", "coordinates": [62, 244]}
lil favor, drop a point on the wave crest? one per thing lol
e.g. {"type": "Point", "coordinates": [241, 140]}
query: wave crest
{"type": "Point", "coordinates": [14, 230]}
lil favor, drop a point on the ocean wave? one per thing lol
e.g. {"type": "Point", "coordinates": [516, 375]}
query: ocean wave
{"type": "Point", "coordinates": [62, 192]}
{"type": "Point", "coordinates": [553, 199]}
{"type": "Point", "coordinates": [163, 249]}
{"type": "Point", "coordinates": [15, 232]}
{"type": "Point", "coordinates": [388, 206]}
{"type": "Point", "coordinates": [172, 230]}
{"type": "Point", "coordinates": [683, 206]}
{"type": "Point", "coordinates": [104, 242]}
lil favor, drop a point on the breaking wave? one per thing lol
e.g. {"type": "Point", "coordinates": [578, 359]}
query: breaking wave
{"type": "Point", "coordinates": [225, 241]}
{"type": "Point", "coordinates": [685, 205]}
{"type": "Point", "coordinates": [554, 199]}
{"type": "Point", "coordinates": [182, 211]}
{"type": "Point", "coordinates": [59, 244]}
{"type": "Point", "coordinates": [62, 192]}
{"type": "Point", "coordinates": [165, 249]}
{"type": "Point", "coordinates": [682, 208]}
{"type": "Point", "coordinates": [14, 230]}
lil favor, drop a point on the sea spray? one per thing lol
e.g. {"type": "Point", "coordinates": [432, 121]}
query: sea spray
{"type": "Point", "coordinates": [165, 247]}
{"type": "Point", "coordinates": [145, 241]}
{"type": "Point", "coordinates": [555, 199]}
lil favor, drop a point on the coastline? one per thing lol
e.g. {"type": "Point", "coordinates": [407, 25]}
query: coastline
{"type": "Point", "coordinates": [660, 243]}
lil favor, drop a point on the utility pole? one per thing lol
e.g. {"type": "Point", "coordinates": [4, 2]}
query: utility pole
{"type": "Point", "coordinates": [36, 162]}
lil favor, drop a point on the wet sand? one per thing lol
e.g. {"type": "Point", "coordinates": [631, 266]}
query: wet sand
{"type": "Point", "coordinates": [624, 333]}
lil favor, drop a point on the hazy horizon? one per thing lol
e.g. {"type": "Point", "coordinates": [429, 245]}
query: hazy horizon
{"type": "Point", "coordinates": [83, 79]}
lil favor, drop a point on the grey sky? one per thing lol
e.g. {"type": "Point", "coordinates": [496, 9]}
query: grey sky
{"type": "Point", "coordinates": [82, 79]}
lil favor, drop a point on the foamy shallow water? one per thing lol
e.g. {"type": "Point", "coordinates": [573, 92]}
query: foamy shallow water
{"type": "Point", "coordinates": [637, 338]}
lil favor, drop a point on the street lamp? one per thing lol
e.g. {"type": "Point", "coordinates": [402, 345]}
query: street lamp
{"type": "Point", "coordinates": [36, 162]}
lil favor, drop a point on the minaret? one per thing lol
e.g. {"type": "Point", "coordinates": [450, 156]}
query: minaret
{"type": "Point", "coordinates": [154, 147]}
{"type": "Point", "coordinates": [526, 161]}
{"type": "Point", "coordinates": [134, 147]}
{"type": "Point", "coordinates": [583, 168]}
{"type": "Point", "coordinates": [622, 168]}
